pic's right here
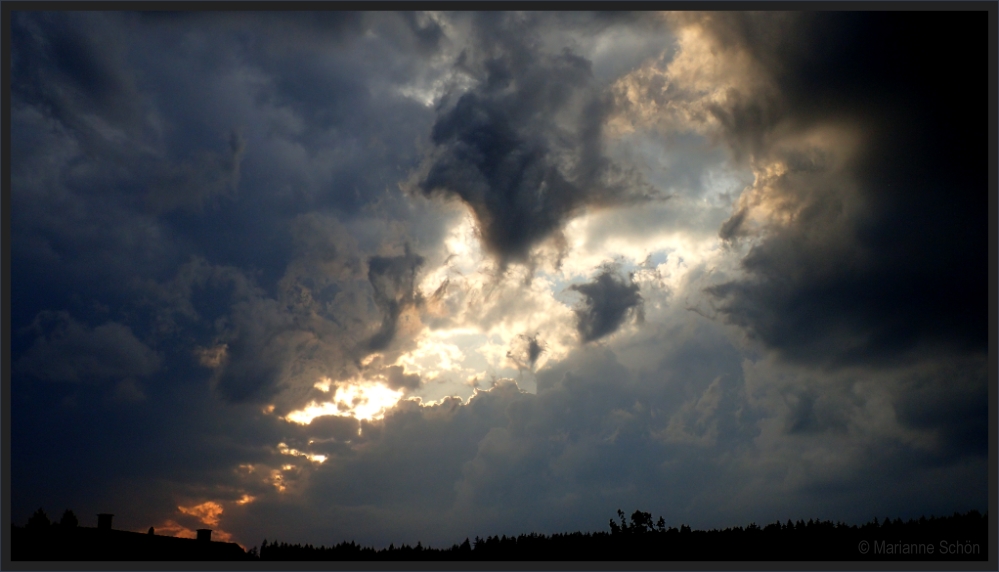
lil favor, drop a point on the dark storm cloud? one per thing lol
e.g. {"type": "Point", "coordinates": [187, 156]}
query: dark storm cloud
{"type": "Point", "coordinates": [86, 63]}
{"type": "Point", "coordinates": [869, 256]}
{"type": "Point", "coordinates": [143, 141]}
{"type": "Point", "coordinates": [608, 300]}
{"type": "Point", "coordinates": [195, 181]}
{"type": "Point", "coordinates": [809, 412]}
{"type": "Point", "coordinates": [898, 263]}
{"type": "Point", "coordinates": [263, 347]}
{"type": "Point", "coordinates": [200, 146]}
{"type": "Point", "coordinates": [256, 352]}
{"type": "Point", "coordinates": [523, 147]}
{"type": "Point", "coordinates": [956, 412]}
{"type": "Point", "coordinates": [247, 336]}
{"type": "Point", "coordinates": [125, 139]}
{"type": "Point", "coordinates": [67, 350]}
{"type": "Point", "coordinates": [393, 279]}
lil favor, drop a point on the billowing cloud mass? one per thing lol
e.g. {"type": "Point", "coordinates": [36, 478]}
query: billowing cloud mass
{"type": "Point", "coordinates": [400, 277]}
{"type": "Point", "coordinates": [522, 147]}
{"type": "Point", "coordinates": [845, 185]}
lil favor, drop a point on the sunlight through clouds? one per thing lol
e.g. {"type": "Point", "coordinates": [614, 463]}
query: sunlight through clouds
{"type": "Point", "coordinates": [285, 450]}
{"type": "Point", "coordinates": [433, 356]}
{"type": "Point", "coordinates": [365, 401]}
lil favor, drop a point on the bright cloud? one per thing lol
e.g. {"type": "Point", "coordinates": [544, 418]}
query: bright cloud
{"type": "Point", "coordinates": [365, 401]}
{"type": "Point", "coordinates": [285, 450]}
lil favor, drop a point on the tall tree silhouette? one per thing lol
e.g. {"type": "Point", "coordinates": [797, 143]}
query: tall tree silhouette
{"type": "Point", "coordinates": [38, 520]}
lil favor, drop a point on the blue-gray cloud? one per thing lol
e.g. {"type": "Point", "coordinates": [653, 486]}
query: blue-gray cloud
{"type": "Point", "coordinates": [67, 350]}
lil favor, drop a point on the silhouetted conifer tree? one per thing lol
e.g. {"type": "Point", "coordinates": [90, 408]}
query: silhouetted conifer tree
{"type": "Point", "coordinates": [38, 520]}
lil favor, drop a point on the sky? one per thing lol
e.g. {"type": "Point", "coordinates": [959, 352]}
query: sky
{"type": "Point", "coordinates": [399, 277]}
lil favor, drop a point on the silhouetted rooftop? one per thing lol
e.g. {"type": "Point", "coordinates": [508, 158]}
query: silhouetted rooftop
{"type": "Point", "coordinates": [85, 543]}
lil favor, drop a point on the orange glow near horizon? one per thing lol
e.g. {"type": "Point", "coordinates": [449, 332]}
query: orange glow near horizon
{"type": "Point", "coordinates": [170, 527]}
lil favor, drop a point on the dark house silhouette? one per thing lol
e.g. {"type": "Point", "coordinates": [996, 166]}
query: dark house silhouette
{"type": "Point", "coordinates": [56, 542]}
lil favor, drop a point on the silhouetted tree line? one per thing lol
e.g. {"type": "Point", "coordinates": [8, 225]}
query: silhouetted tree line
{"type": "Point", "coordinates": [638, 538]}
{"type": "Point", "coordinates": [642, 539]}
{"type": "Point", "coordinates": [40, 520]}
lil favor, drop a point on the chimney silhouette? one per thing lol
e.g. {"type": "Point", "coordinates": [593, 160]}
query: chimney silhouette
{"type": "Point", "coordinates": [104, 521]}
{"type": "Point", "coordinates": [204, 535]}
